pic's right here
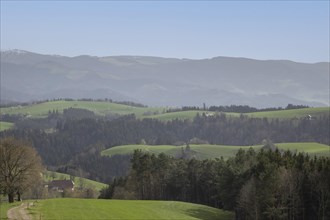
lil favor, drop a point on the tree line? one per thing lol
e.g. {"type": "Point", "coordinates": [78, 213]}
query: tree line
{"type": "Point", "coordinates": [235, 108]}
{"type": "Point", "coordinates": [269, 184]}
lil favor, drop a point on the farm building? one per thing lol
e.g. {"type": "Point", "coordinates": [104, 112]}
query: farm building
{"type": "Point", "coordinates": [61, 185]}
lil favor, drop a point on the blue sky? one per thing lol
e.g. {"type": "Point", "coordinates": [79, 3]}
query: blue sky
{"type": "Point", "coordinates": [294, 30]}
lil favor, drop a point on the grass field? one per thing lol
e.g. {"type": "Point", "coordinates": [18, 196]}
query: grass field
{"type": "Point", "coordinates": [310, 148]}
{"type": "Point", "coordinates": [5, 206]}
{"type": "Point", "coordinates": [87, 183]}
{"type": "Point", "coordinates": [124, 209]}
{"type": "Point", "coordinates": [292, 113]}
{"type": "Point", "coordinates": [99, 108]}
{"type": "Point", "coordinates": [206, 151]}
{"type": "Point", "coordinates": [5, 125]}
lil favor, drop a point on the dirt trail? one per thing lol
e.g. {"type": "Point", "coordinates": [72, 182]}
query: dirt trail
{"type": "Point", "coordinates": [19, 212]}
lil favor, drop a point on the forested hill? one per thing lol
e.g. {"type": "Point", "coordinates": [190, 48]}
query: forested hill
{"type": "Point", "coordinates": [64, 141]}
{"type": "Point", "coordinates": [264, 185]}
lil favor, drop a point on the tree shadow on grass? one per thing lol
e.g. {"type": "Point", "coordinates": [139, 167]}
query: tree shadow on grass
{"type": "Point", "coordinates": [203, 214]}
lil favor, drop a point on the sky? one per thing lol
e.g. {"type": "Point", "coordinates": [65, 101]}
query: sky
{"type": "Point", "coordinates": [292, 30]}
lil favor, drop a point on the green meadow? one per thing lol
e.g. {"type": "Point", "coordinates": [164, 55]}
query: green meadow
{"type": "Point", "coordinates": [124, 209]}
{"type": "Point", "coordinates": [311, 148]}
{"type": "Point", "coordinates": [5, 125]}
{"type": "Point", "coordinates": [207, 151]}
{"type": "Point", "coordinates": [99, 108]}
{"type": "Point", "coordinates": [292, 113]}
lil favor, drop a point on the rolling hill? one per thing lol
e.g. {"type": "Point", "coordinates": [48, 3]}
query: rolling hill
{"type": "Point", "coordinates": [292, 113]}
{"type": "Point", "coordinates": [98, 107]}
{"type": "Point", "coordinates": [207, 151]}
{"type": "Point", "coordinates": [105, 108]}
{"type": "Point", "coordinates": [156, 81]}
{"type": "Point", "coordinates": [280, 114]}
{"type": "Point", "coordinates": [124, 209]}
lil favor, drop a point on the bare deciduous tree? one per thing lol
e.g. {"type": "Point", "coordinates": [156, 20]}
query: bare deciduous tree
{"type": "Point", "coordinates": [20, 167]}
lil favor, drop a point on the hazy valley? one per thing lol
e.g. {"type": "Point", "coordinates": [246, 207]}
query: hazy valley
{"type": "Point", "coordinates": [155, 81]}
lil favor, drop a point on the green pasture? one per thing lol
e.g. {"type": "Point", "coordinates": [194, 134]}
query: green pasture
{"type": "Point", "coordinates": [99, 108]}
{"type": "Point", "coordinates": [207, 151]}
{"type": "Point", "coordinates": [66, 208]}
{"type": "Point", "coordinates": [5, 125]}
{"type": "Point", "coordinates": [311, 148]}
{"type": "Point", "coordinates": [86, 183]}
{"type": "Point", "coordinates": [5, 206]}
{"type": "Point", "coordinates": [292, 113]}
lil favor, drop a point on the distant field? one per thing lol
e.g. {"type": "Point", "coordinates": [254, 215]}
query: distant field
{"type": "Point", "coordinates": [183, 115]}
{"type": "Point", "coordinates": [5, 125]}
{"type": "Point", "coordinates": [104, 108]}
{"type": "Point", "coordinates": [203, 151]}
{"type": "Point", "coordinates": [124, 209]}
{"type": "Point", "coordinates": [281, 114]}
{"type": "Point", "coordinates": [86, 182]}
{"type": "Point", "coordinates": [310, 148]}
{"type": "Point", "coordinates": [292, 113]}
{"type": "Point", "coordinates": [99, 108]}
{"type": "Point", "coordinates": [206, 151]}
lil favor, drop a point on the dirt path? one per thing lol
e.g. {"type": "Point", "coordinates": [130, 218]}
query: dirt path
{"type": "Point", "coordinates": [19, 212]}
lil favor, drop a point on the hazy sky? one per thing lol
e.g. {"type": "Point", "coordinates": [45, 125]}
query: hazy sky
{"type": "Point", "coordinates": [295, 30]}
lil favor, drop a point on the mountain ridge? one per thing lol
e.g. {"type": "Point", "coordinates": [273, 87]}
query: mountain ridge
{"type": "Point", "coordinates": [19, 51]}
{"type": "Point", "coordinates": [158, 81]}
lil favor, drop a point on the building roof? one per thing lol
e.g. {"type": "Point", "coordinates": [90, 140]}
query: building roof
{"type": "Point", "coordinates": [61, 184]}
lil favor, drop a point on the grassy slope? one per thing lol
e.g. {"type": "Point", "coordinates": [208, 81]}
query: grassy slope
{"type": "Point", "coordinates": [292, 113]}
{"type": "Point", "coordinates": [206, 151]}
{"type": "Point", "coordinates": [124, 209]}
{"type": "Point", "coordinates": [5, 125]}
{"type": "Point", "coordinates": [87, 182]}
{"type": "Point", "coordinates": [100, 108]}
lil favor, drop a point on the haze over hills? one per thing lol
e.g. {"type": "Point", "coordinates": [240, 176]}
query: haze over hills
{"type": "Point", "coordinates": [155, 81]}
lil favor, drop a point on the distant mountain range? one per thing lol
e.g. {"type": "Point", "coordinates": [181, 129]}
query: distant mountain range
{"type": "Point", "coordinates": [156, 81]}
